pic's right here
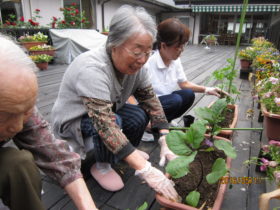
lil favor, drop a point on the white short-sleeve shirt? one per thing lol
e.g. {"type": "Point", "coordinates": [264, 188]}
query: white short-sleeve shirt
{"type": "Point", "coordinates": [164, 78]}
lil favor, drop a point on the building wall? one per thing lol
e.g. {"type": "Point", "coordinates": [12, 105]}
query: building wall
{"type": "Point", "coordinates": [48, 9]}
{"type": "Point", "coordinates": [111, 6]}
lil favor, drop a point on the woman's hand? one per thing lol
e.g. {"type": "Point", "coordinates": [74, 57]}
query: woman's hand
{"type": "Point", "coordinates": [156, 180]}
{"type": "Point", "coordinates": [215, 91]}
{"type": "Point", "coordinates": [165, 152]}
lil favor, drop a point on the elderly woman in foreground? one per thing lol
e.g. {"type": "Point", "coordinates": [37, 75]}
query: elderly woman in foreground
{"type": "Point", "coordinates": [20, 181]}
{"type": "Point", "coordinates": [91, 109]}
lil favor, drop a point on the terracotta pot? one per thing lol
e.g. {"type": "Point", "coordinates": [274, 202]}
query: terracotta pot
{"type": "Point", "coordinates": [105, 33]}
{"type": "Point", "coordinates": [42, 66]}
{"type": "Point", "coordinates": [228, 133]}
{"type": "Point", "coordinates": [28, 45]}
{"type": "Point", "coordinates": [180, 206]}
{"type": "Point", "coordinates": [210, 42]}
{"type": "Point", "coordinates": [39, 52]}
{"type": "Point", "coordinates": [245, 64]}
{"type": "Point", "coordinates": [272, 124]}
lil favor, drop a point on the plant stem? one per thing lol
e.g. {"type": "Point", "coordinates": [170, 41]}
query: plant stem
{"type": "Point", "coordinates": [241, 129]}
{"type": "Point", "coordinates": [244, 8]}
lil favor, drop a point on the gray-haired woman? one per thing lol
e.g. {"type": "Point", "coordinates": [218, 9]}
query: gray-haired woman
{"type": "Point", "coordinates": [91, 109]}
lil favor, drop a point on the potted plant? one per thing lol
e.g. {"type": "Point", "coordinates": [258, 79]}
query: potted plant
{"type": "Point", "coordinates": [246, 57]}
{"type": "Point", "coordinates": [42, 49]}
{"type": "Point", "coordinates": [225, 76]}
{"type": "Point", "coordinates": [269, 163]}
{"type": "Point", "coordinates": [211, 39]}
{"type": "Point", "coordinates": [268, 91]}
{"type": "Point", "coordinates": [41, 60]}
{"type": "Point", "coordinates": [194, 149]}
{"type": "Point", "coordinates": [32, 40]}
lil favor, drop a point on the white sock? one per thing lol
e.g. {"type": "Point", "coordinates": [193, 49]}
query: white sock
{"type": "Point", "coordinates": [103, 168]}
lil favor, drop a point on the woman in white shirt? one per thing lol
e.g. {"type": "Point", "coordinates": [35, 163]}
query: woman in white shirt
{"type": "Point", "coordinates": [167, 73]}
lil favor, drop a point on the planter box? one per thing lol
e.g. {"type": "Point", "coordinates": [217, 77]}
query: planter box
{"type": "Point", "coordinates": [180, 206]}
{"type": "Point", "coordinates": [39, 52]}
{"type": "Point", "coordinates": [228, 133]}
{"type": "Point", "coordinates": [272, 124]}
{"type": "Point", "coordinates": [28, 45]}
{"type": "Point", "coordinates": [42, 66]}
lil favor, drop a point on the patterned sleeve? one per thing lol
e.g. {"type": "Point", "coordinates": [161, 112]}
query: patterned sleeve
{"type": "Point", "coordinates": [104, 121]}
{"type": "Point", "coordinates": [150, 103]}
{"type": "Point", "coordinates": [51, 155]}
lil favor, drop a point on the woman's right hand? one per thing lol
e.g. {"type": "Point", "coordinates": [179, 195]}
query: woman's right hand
{"type": "Point", "coordinates": [156, 180]}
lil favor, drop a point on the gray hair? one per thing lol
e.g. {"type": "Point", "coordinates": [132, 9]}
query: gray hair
{"type": "Point", "coordinates": [127, 21]}
{"type": "Point", "coordinates": [11, 53]}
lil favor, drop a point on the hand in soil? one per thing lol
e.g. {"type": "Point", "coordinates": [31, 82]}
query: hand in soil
{"type": "Point", "coordinates": [156, 180]}
{"type": "Point", "coordinates": [165, 152]}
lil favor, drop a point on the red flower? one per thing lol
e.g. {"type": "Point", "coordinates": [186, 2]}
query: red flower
{"type": "Point", "coordinates": [63, 22]}
{"type": "Point", "coordinates": [13, 23]}
{"type": "Point", "coordinates": [37, 10]}
{"type": "Point", "coordinates": [21, 19]}
{"type": "Point", "coordinates": [72, 23]}
{"type": "Point", "coordinates": [74, 4]}
{"type": "Point", "coordinates": [54, 19]}
{"type": "Point", "coordinates": [83, 20]}
{"type": "Point", "coordinates": [30, 21]}
{"type": "Point", "coordinates": [77, 11]}
{"type": "Point", "coordinates": [53, 24]}
{"type": "Point", "coordinates": [68, 9]}
{"type": "Point", "coordinates": [8, 22]}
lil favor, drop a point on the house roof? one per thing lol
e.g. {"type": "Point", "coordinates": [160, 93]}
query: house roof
{"type": "Point", "coordinates": [228, 2]}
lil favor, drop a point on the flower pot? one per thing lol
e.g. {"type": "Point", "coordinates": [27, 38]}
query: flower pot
{"type": "Point", "coordinates": [28, 45]}
{"type": "Point", "coordinates": [272, 124]}
{"type": "Point", "coordinates": [228, 133]}
{"type": "Point", "coordinates": [105, 33]}
{"type": "Point", "coordinates": [42, 66]}
{"type": "Point", "coordinates": [38, 52]}
{"type": "Point", "coordinates": [210, 42]}
{"type": "Point", "coordinates": [245, 64]}
{"type": "Point", "coordinates": [219, 195]}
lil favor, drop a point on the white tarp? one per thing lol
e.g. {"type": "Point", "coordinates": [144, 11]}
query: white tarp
{"type": "Point", "coordinates": [69, 43]}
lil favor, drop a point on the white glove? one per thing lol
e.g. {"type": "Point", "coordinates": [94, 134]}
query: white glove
{"type": "Point", "coordinates": [156, 180]}
{"type": "Point", "coordinates": [213, 91]}
{"type": "Point", "coordinates": [165, 152]}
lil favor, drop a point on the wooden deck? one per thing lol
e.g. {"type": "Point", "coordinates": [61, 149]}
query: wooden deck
{"type": "Point", "coordinates": [198, 63]}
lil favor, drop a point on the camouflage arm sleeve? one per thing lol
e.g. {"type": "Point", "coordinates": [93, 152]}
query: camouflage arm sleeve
{"type": "Point", "coordinates": [104, 121]}
{"type": "Point", "coordinates": [151, 104]}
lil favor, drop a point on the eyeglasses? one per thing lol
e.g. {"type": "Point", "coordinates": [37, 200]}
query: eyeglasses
{"type": "Point", "coordinates": [138, 55]}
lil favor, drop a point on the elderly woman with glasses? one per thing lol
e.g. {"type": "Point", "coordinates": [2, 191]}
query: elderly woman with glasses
{"type": "Point", "coordinates": [91, 109]}
{"type": "Point", "coordinates": [167, 73]}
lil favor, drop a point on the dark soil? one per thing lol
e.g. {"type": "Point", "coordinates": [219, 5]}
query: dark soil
{"type": "Point", "coordinates": [228, 118]}
{"type": "Point", "coordinates": [196, 179]}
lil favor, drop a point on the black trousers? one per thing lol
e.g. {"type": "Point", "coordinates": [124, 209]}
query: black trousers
{"type": "Point", "coordinates": [20, 180]}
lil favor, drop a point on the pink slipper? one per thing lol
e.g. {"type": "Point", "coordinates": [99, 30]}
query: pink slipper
{"type": "Point", "coordinates": [106, 177]}
{"type": "Point", "coordinates": [143, 154]}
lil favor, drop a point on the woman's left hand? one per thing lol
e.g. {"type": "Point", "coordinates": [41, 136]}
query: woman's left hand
{"type": "Point", "coordinates": [165, 152]}
{"type": "Point", "coordinates": [215, 91]}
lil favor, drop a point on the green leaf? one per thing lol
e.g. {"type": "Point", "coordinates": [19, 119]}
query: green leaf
{"type": "Point", "coordinates": [180, 166]}
{"type": "Point", "coordinates": [193, 198]}
{"type": "Point", "coordinates": [219, 106]}
{"type": "Point", "coordinates": [176, 143]}
{"type": "Point", "coordinates": [226, 147]}
{"type": "Point", "coordinates": [205, 113]}
{"type": "Point", "coordinates": [219, 169]}
{"type": "Point", "coordinates": [195, 135]}
{"type": "Point", "coordinates": [144, 206]}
